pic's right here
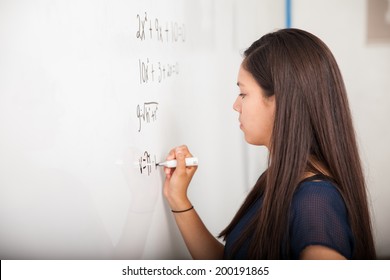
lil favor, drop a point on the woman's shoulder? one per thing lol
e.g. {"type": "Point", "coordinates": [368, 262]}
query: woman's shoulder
{"type": "Point", "coordinates": [319, 217]}
{"type": "Point", "coordinates": [318, 192]}
{"type": "Point", "coordinates": [317, 201]}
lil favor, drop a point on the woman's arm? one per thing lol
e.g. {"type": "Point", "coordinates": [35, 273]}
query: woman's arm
{"type": "Point", "coordinates": [318, 252]}
{"type": "Point", "coordinates": [200, 242]}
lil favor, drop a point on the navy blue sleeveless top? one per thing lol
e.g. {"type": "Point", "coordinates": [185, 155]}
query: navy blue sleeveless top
{"type": "Point", "coordinates": [318, 217]}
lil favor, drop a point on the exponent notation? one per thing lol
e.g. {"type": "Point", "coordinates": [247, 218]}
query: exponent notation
{"type": "Point", "coordinates": [153, 28]}
{"type": "Point", "coordinates": [158, 71]}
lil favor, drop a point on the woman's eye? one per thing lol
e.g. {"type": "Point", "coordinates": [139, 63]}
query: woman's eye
{"type": "Point", "coordinates": [242, 95]}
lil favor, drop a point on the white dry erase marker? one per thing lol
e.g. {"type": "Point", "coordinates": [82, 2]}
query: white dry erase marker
{"type": "Point", "coordinates": [190, 161]}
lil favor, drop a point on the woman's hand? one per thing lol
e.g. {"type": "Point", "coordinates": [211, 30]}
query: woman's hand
{"type": "Point", "coordinates": [178, 179]}
{"type": "Point", "coordinates": [200, 242]}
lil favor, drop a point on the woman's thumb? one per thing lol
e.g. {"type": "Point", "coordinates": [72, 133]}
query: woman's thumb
{"type": "Point", "coordinates": [181, 161]}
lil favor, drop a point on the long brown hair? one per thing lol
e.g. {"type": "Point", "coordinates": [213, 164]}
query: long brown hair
{"type": "Point", "coordinates": [312, 124]}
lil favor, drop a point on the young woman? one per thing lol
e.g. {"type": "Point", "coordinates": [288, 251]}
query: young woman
{"type": "Point", "coordinates": [311, 201]}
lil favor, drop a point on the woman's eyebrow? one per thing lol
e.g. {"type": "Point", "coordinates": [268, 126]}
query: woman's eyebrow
{"type": "Point", "coordinates": [241, 85]}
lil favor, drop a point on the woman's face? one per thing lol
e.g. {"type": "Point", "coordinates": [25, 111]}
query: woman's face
{"type": "Point", "coordinates": [257, 112]}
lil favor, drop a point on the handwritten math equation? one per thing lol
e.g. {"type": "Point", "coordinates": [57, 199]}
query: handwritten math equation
{"type": "Point", "coordinates": [147, 163]}
{"type": "Point", "coordinates": [146, 113]}
{"type": "Point", "coordinates": [150, 71]}
{"type": "Point", "coordinates": [165, 35]}
{"type": "Point", "coordinates": [149, 28]}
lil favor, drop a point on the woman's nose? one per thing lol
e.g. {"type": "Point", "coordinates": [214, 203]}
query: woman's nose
{"type": "Point", "coordinates": [237, 105]}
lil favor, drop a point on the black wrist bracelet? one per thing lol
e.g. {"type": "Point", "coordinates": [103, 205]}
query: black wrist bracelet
{"type": "Point", "coordinates": [181, 211]}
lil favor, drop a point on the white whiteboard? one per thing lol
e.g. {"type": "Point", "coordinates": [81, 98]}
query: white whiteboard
{"type": "Point", "coordinates": [90, 89]}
